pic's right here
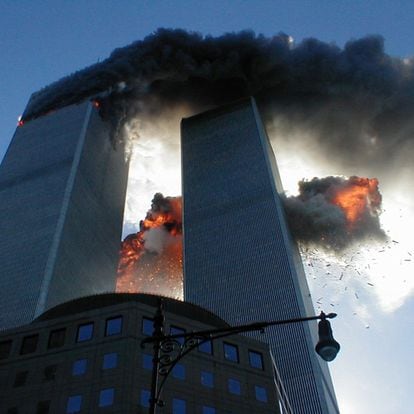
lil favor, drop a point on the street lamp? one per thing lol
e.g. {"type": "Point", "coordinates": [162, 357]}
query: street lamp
{"type": "Point", "coordinates": [169, 349]}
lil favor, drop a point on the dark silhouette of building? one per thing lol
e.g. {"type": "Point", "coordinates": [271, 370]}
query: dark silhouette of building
{"type": "Point", "coordinates": [239, 259]}
{"type": "Point", "coordinates": [62, 194]}
{"type": "Point", "coordinates": [84, 356]}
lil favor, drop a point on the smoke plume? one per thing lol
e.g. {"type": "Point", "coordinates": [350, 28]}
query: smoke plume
{"type": "Point", "coordinates": [353, 106]}
{"type": "Point", "coordinates": [333, 212]}
{"type": "Point", "coordinates": [357, 100]}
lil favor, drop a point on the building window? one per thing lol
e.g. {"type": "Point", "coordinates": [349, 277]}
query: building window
{"type": "Point", "coordinates": [113, 326]}
{"type": "Point", "coordinates": [256, 359]}
{"type": "Point", "coordinates": [74, 404]}
{"type": "Point", "coordinates": [234, 386]}
{"type": "Point", "coordinates": [145, 398]}
{"type": "Point", "coordinates": [147, 361]}
{"type": "Point", "coordinates": [147, 326]}
{"type": "Point", "coordinates": [49, 373]}
{"type": "Point", "coordinates": [56, 338]}
{"type": "Point", "coordinates": [206, 347]}
{"type": "Point", "coordinates": [79, 367]}
{"type": "Point", "coordinates": [5, 348]}
{"type": "Point", "coordinates": [207, 379]}
{"type": "Point", "coordinates": [261, 394]}
{"type": "Point", "coordinates": [231, 352]}
{"type": "Point", "coordinates": [106, 397]}
{"type": "Point", "coordinates": [110, 360]}
{"type": "Point", "coordinates": [20, 378]}
{"type": "Point", "coordinates": [43, 407]}
{"type": "Point", "coordinates": [208, 410]}
{"type": "Point", "coordinates": [179, 371]}
{"type": "Point", "coordinates": [29, 344]}
{"type": "Point", "coordinates": [175, 330]}
{"type": "Point", "coordinates": [178, 406]}
{"type": "Point", "coordinates": [85, 332]}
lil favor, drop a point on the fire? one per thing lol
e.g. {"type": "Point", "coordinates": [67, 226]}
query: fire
{"type": "Point", "coordinates": [358, 197]}
{"type": "Point", "coordinates": [151, 259]}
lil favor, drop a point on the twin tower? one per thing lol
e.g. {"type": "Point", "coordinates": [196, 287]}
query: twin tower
{"type": "Point", "coordinates": [62, 193]}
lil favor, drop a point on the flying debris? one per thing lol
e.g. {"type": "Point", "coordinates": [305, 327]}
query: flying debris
{"type": "Point", "coordinates": [151, 259]}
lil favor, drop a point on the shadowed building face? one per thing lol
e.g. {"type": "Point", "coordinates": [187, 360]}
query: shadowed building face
{"type": "Point", "coordinates": [62, 191]}
{"type": "Point", "coordinates": [239, 259]}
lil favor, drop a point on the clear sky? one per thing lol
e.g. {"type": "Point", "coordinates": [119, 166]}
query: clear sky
{"type": "Point", "coordinates": [44, 40]}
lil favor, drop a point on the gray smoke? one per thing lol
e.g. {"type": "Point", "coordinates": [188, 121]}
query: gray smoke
{"type": "Point", "coordinates": [358, 100]}
{"type": "Point", "coordinates": [314, 215]}
{"type": "Point", "coordinates": [355, 103]}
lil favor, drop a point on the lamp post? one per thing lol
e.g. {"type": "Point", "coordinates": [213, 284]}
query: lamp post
{"type": "Point", "coordinates": [168, 350]}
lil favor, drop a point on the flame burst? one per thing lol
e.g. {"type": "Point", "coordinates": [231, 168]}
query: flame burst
{"type": "Point", "coordinates": [151, 259]}
{"type": "Point", "coordinates": [357, 198]}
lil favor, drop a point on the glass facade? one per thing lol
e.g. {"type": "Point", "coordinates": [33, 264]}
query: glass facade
{"type": "Point", "coordinates": [57, 338]}
{"type": "Point", "coordinates": [179, 406]}
{"type": "Point", "coordinates": [260, 393]}
{"type": "Point", "coordinates": [147, 326]}
{"type": "Point", "coordinates": [144, 398]}
{"type": "Point", "coordinates": [175, 330]}
{"type": "Point", "coordinates": [147, 361]}
{"type": "Point", "coordinates": [231, 352]}
{"type": "Point", "coordinates": [207, 379]}
{"type": "Point", "coordinates": [74, 404]}
{"type": "Point", "coordinates": [239, 259]}
{"type": "Point", "coordinates": [178, 371]}
{"type": "Point", "coordinates": [234, 386]}
{"type": "Point", "coordinates": [85, 332]}
{"type": "Point", "coordinates": [113, 326]}
{"type": "Point", "coordinates": [29, 344]}
{"type": "Point", "coordinates": [62, 190]}
{"type": "Point", "coordinates": [79, 366]}
{"type": "Point", "coordinates": [110, 360]}
{"type": "Point", "coordinates": [106, 397]}
{"type": "Point", "coordinates": [255, 359]}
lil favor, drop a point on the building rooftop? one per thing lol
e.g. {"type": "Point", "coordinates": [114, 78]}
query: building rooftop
{"type": "Point", "coordinates": [87, 303]}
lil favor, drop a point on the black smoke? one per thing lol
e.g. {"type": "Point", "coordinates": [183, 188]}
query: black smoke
{"type": "Point", "coordinates": [356, 103]}
{"type": "Point", "coordinates": [314, 217]}
{"type": "Point", "coordinates": [357, 100]}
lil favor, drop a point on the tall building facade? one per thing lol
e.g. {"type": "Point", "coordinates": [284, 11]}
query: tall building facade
{"type": "Point", "coordinates": [239, 259]}
{"type": "Point", "coordinates": [62, 191]}
{"type": "Point", "coordinates": [85, 356]}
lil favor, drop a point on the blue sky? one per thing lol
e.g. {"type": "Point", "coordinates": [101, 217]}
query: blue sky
{"type": "Point", "coordinates": [44, 40]}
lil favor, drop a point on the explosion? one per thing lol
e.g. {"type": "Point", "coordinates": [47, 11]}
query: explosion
{"type": "Point", "coordinates": [151, 259]}
{"type": "Point", "coordinates": [358, 197]}
{"type": "Point", "coordinates": [333, 212]}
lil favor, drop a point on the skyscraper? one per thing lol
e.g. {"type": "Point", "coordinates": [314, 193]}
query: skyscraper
{"type": "Point", "coordinates": [62, 191]}
{"type": "Point", "coordinates": [239, 259]}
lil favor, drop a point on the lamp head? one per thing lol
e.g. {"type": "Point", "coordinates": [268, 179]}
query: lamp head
{"type": "Point", "coordinates": [327, 347]}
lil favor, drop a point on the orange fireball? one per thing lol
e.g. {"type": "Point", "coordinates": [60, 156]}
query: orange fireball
{"type": "Point", "coordinates": [358, 197]}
